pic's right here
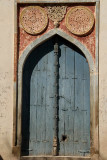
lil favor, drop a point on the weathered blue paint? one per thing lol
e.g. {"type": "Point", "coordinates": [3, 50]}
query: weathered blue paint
{"type": "Point", "coordinates": [74, 102]}
{"type": "Point", "coordinates": [39, 99]}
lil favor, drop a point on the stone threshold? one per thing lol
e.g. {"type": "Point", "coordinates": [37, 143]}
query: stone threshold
{"type": "Point", "coordinates": [54, 158]}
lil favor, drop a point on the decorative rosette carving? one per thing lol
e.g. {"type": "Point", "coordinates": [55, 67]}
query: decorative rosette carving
{"type": "Point", "coordinates": [56, 13]}
{"type": "Point", "coordinates": [34, 19]}
{"type": "Point", "coordinates": [79, 20]}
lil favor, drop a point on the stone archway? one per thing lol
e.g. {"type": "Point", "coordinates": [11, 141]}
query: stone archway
{"type": "Point", "coordinates": [89, 58]}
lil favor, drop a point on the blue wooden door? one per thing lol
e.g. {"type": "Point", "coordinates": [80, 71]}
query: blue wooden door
{"type": "Point", "coordinates": [73, 101]}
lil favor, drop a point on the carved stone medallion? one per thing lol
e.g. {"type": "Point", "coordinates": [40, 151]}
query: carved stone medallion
{"type": "Point", "coordinates": [79, 20]}
{"type": "Point", "coordinates": [56, 13]}
{"type": "Point", "coordinates": [34, 19]}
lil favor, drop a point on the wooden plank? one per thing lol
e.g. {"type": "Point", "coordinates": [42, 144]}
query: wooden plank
{"type": "Point", "coordinates": [50, 101]}
{"type": "Point", "coordinates": [79, 105]}
{"type": "Point", "coordinates": [78, 120]}
{"type": "Point", "coordinates": [66, 102]}
{"type": "Point", "coordinates": [69, 94]}
{"type": "Point", "coordinates": [61, 100]}
{"type": "Point", "coordinates": [86, 109]}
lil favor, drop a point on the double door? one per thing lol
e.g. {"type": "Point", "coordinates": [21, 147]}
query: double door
{"type": "Point", "coordinates": [56, 101]}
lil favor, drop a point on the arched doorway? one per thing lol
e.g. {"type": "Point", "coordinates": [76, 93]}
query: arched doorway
{"type": "Point", "coordinates": [56, 101]}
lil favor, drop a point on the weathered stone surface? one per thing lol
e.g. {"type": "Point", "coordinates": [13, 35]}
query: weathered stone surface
{"type": "Point", "coordinates": [89, 41]}
{"type": "Point", "coordinates": [34, 19]}
{"type": "Point", "coordinates": [56, 13]}
{"type": "Point", "coordinates": [54, 158]}
{"type": "Point", "coordinates": [79, 20]}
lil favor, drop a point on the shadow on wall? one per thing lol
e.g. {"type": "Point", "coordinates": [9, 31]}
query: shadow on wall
{"type": "Point", "coordinates": [1, 158]}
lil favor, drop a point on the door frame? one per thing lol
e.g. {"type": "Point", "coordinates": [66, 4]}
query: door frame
{"type": "Point", "coordinates": [93, 67]}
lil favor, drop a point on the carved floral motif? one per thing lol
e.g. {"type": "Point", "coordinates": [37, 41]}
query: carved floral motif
{"type": "Point", "coordinates": [34, 19]}
{"type": "Point", "coordinates": [79, 20]}
{"type": "Point", "coordinates": [56, 13]}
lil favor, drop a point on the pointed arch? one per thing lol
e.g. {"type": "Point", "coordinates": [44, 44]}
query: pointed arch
{"type": "Point", "coordinates": [47, 36]}
{"type": "Point", "coordinates": [92, 68]}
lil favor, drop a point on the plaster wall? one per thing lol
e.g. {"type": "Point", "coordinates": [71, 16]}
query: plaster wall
{"type": "Point", "coordinates": [6, 79]}
{"type": "Point", "coordinates": [103, 81]}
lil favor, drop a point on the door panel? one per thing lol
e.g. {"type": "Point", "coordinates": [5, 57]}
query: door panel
{"type": "Point", "coordinates": [41, 101]}
{"type": "Point", "coordinates": [74, 102]}
{"type": "Point", "coordinates": [83, 104]}
{"type": "Point", "coordinates": [79, 102]}
{"type": "Point", "coordinates": [39, 98]}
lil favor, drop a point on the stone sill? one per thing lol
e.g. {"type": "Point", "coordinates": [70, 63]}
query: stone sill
{"type": "Point", "coordinates": [54, 158]}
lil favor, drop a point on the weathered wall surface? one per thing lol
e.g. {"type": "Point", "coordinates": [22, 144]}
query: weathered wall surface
{"type": "Point", "coordinates": [103, 81]}
{"type": "Point", "coordinates": [25, 39]}
{"type": "Point", "coordinates": [6, 79]}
